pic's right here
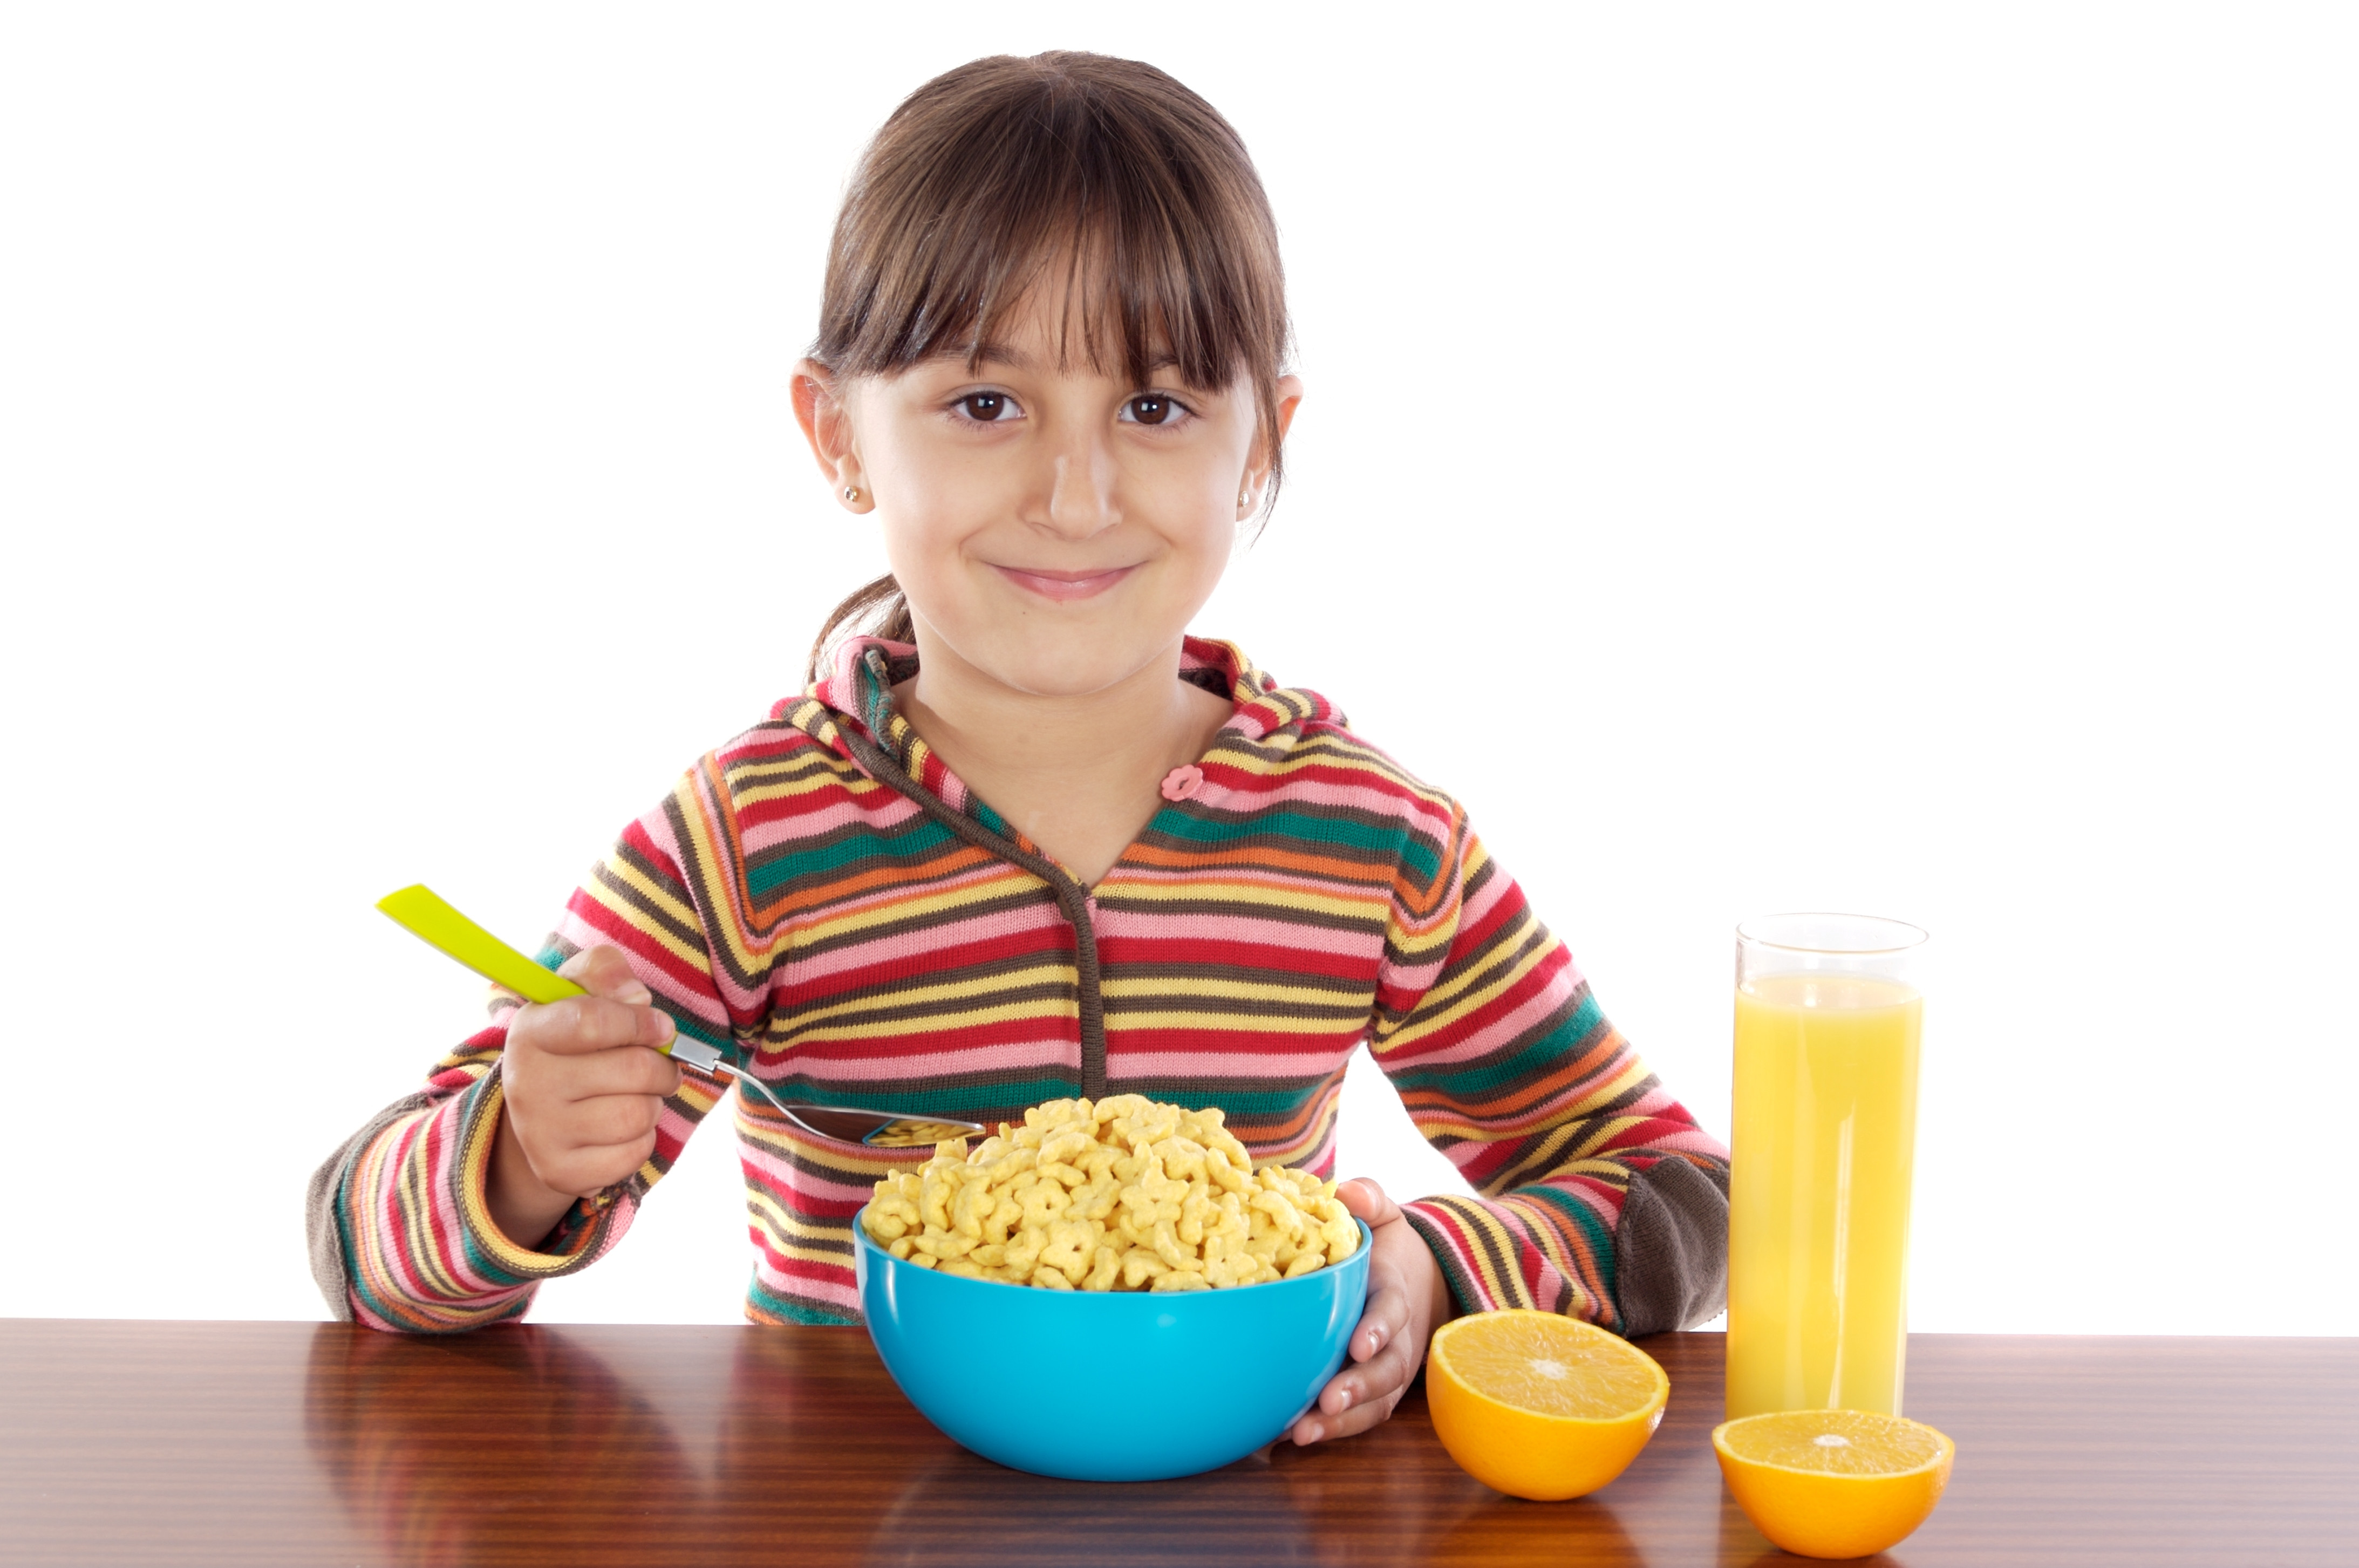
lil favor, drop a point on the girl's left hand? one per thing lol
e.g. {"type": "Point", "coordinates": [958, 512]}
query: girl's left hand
{"type": "Point", "coordinates": [1407, 1300]}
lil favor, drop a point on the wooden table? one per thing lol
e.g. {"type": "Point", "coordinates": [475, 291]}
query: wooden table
{"type": "Point", "coordinates": [184, 1443]}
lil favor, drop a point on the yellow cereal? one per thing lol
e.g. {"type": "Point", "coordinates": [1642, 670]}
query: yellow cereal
{"type": "Point", "coordinates": [1123, 1194]}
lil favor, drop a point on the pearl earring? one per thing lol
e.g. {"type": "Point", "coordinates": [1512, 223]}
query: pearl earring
{"type": "Point", "coordinates": [851, 493]}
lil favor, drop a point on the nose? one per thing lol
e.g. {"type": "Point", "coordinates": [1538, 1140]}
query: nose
{"type": "Point", "coordinates": [1081, 479]}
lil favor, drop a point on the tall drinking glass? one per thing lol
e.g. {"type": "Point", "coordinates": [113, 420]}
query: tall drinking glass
{"type": "Point", "coordinates": [1828, 1023]}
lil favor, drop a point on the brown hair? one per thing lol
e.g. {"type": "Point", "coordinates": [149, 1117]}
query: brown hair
{"type": "Point", "coordinates": [992, 174]}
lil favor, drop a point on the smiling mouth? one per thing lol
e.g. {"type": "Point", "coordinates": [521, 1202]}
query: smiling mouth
{"type": "Point", "coordinates": [1065, 586]}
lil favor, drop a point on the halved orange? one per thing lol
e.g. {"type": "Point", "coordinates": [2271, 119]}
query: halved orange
{"type": "Point", "coordinates": [1539, 1406]}
{"type": "Point", "coordinates": [1833, 1482]}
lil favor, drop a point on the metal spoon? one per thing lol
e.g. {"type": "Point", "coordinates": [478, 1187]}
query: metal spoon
{"type": "Point", "coordinates": [424, 914]}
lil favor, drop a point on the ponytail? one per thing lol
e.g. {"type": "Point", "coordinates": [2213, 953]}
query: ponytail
{"type": "Point", "coordinates": [893, 625]}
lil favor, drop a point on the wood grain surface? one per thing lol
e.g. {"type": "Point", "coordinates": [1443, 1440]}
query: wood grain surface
{"type": "Point", "coordinates": [186, 1442]}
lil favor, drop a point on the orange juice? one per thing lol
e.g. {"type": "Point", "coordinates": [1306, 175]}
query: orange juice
{"type": "Point", "coordinates": [1823, 1147]}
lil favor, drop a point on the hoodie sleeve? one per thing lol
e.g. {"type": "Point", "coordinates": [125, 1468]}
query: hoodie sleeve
{"type": "Point", "coordinates": [401, 1237]}
{"type": "Point", "coordinates": [1599, 1196]}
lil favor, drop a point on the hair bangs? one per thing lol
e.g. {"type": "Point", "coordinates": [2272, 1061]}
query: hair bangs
{"type": "Point", "coordinates": [1127, 206]}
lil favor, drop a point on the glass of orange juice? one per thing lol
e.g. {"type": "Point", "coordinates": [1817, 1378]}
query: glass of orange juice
{"type": "Point", "coordinates": [1828, 1023]}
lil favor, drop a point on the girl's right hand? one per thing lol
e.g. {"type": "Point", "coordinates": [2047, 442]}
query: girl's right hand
{"type": "Point", "coordinates": [583, 1086]}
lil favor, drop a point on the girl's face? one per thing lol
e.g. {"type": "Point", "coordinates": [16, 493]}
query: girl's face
{"type": "Point", "coordinates": [1054, 529]}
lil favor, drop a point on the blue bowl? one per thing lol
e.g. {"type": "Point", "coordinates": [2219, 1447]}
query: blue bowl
{"type": "Point", "coordinates": [1212, 1375]}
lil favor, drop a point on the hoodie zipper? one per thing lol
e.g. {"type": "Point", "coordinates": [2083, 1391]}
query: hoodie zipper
{"type": "Point", "coordinates": [1072, 898]}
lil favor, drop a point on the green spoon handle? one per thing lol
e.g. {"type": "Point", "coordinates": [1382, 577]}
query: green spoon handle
{"type": "Point", "coordinates": [425, 915]}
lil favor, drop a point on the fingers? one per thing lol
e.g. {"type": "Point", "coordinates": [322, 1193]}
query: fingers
{"type": "Point", "coordinates": [618, 1010]}
{"type": "Point", "coordinates": [589, 1170]}
{"type": "Point", "coordinates": [1367, 1200]}
{"type": "Point", "coordinates": [634, 1070]}
{"type": "Point", "coordinates": [609, 1119]}
{"type": "Point", "coordinates": [584, 1147]}
{"type": "Point", "coordinates": [1389, 1344]}
{"type": "Point", "coordinates": [1382, 1323]}
{"type": "Point", "coordinates": [580, 1025]}
{"type": "Point", "coordinates": [1392, 1372]}
{"type": "Point", "coordinates": [1363, 1395]}
{"type": "Point", "coordinates": [603, 971]}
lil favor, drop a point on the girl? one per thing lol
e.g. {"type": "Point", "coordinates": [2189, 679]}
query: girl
{"type": "Point", "coordinates": [1028, 840]}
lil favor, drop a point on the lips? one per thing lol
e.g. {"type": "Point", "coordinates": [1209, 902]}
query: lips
{"type": "Point", "coordinates": [1064, 587]}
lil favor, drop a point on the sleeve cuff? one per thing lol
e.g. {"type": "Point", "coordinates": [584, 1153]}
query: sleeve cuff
{"type": "Point", "coordinates": [1518, 1253]}
{"type": "Point", "coordinates": [584, 1233]}
{"type": "Point", "coordinates": [1671, 1249]}
{"type": "Point", "coordinates": [1453, 1229]}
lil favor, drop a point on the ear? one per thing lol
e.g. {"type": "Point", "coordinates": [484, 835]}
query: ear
{"type": "Point", "coordinates": [827, 424]}
{"type": "Point", "coordinates": [1256, 475]}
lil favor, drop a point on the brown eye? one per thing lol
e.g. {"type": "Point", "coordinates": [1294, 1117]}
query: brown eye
{"type": "Point", "coordinates": [1150, 411]}
{"type": "Point", "coordinates": [986, 408]}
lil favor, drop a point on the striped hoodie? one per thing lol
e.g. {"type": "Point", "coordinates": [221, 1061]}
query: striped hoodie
{"type": "Point", "coordinates": [823, 900]}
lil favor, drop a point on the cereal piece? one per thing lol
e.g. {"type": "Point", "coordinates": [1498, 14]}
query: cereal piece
{"type": "Point", "coordinates": [1072, 1248]}
{"type": "Point", "coordinates": [1154, 1196]}
{"type": "Point", "coordinates": [1264, 1236]}
{"type": "Point", "coordinates": [1176, 1257]}
{"type": "Point", "coordinates": [1225, 1174]}
{"type": "Point", "coordinates": [1069, 1143]}
{"type": "Point", "coordinates": [971, 1206]}
{"type": "Point", "coordinates": [1098, 1200]}
{"type": "Point", "coordinates": [1043, 1202]}
{"type": "Point", "coordinates": [1228, 1218]}
{"type": "Point", "coordinates": [1281, 1211]}
{"type": "Point", "coordinates": [1003, 1216]}
{"type": "Point", "coordinates": [934, 1208]}
{"type": "Point", "coordinates": [1175, 1281]}
{"type": "Point", "coordinates": [1182, 1158]}
{"type": "Point", "coordinates": [1105, 1270]}
{"type": "Point", "coordinates": [1240, 1269]}
{"type": "Point", "coordinates": [943, 1244]}
{"type": "Point", "coordinates": [1341, 1232]}
{"type": "Point", "coordinates": [1195, 1209]}
{"type": "Point", "coordinates": [1008, 1166]}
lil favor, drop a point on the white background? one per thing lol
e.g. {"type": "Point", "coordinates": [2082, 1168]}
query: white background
{"type": "Point", "coordinates": [1853, 457]}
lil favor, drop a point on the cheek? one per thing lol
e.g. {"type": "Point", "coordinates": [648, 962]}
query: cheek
{"type": "Point", "coordinates": [1207, 544]}
{"type": "Point", "coordinates": [928, 505]}
{"type": "Point", "coordinates": [922, 547]}
{"type": "Point", "coordinates": [938, 484]}
{"type": "Point", "coordinates": [1203, 521]}
{"type": "Point", "coordinates": [1193, 501]}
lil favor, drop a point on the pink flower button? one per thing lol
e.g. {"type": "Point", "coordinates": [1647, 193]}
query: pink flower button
{"type": "Point", "coordinates": [1181, 783]}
